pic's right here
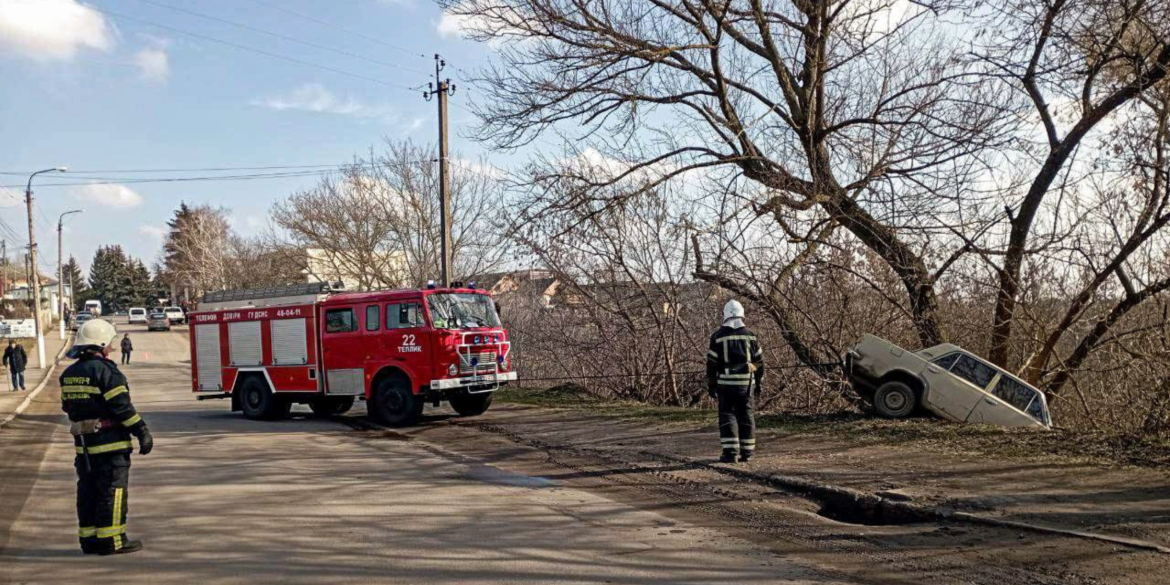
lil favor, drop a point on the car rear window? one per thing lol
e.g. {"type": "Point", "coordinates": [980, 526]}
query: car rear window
{"type": "Point", "coordinates": [973, 371]}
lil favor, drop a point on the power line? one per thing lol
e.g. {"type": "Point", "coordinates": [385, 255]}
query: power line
{"type": "Point", "coordinates": [282, 36]}
{"type": "Point", "coordinates": [338, 27]}
{"type": "Point", "coordinates": [250, 49]}
{"type": "Point", "coordinates": [97, 180]}
{"type": "Point", "coordinates": [188, 170]}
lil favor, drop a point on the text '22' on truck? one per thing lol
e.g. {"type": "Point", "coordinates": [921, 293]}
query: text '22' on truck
{"type": "Point", "coordinates": [946, 380]}
{"type": "Point", "coordinates": [303, 344]}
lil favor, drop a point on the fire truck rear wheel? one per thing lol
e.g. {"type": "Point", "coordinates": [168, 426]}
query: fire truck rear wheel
{"type": "Point", "coordinates": [394, 405]}
{"type": "Point", "coordinates": [472, 404]}
{"type": "Point", "coordinates": [332, 406]}
{"type": "Point", "coordinates": [258, 402]}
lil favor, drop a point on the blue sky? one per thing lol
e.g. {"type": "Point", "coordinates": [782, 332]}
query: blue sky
{"type": "Point", "coordinates": [92, 86]}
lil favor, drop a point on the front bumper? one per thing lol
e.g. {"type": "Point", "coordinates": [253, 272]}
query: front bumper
{"type": "Point", "coordinates": [485, 381]}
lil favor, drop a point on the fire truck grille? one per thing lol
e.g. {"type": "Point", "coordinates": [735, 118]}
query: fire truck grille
{"type": "Point", "coordinates": [482, 360]}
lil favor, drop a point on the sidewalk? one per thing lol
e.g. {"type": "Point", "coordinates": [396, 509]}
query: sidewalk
{"type": "Point", "coordinates": [9, 401]}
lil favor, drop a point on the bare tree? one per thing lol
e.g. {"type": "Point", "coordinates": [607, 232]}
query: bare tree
{"type": "Point", "coordinates": [376, 222]}
{"type": "Point", "coordinates": [814, 117]}
{"type": "Point", "coordinates": [1080, 60]}
{"type": "Point", "coordinates": [197, 251]}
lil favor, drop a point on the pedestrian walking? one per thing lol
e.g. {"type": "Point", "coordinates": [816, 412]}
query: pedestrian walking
{"type": "Point", "coordinates": [127, 347]}
{"type": "Point", "coordinates": [96, 396]}
{"type": "Point", "coordinates": [735, 369]}
{"type": "Point", "coordinates": [15, 359]}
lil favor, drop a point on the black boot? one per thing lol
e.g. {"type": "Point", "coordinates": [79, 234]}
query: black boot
{"type": "Point", "coordinates": [130, 546]}
{"type": "Point", "coordinates": [745, 456]}
{"type": "Point", "coordinates": [728, 456]}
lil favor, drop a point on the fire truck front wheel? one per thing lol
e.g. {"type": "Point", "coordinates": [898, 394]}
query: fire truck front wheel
{"type": "Point", "coordinates": [471, 404]}
{"type": "Point", "coordinates": [258, 402]}
{"type": "Point", "coordinates": [393, 404]}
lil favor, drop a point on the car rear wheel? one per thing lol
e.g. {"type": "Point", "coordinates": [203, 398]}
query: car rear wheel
{"type": "Point", "coordinates": [895, 400]}
{"type": "Point", "coordinates": [331, 406]}
{"type": "Point", "coordinates": [472, 404]}
{"type": "Point", "coordinates": [259, 403]}
{"type": "Point", "coordinates": [394, 405]}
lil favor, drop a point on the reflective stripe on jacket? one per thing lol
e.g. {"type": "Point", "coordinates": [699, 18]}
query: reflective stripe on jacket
{"type": "Point", "coordinates": [94, 388]}
{"type": "Point", "coordinates": [734, 358]}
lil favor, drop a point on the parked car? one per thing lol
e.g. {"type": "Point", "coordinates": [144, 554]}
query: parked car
{"type": "Point", "coordinates": [158, 322]}
{"type": "Point", "coordinates": [947, 381]}
{"type": "Point", "coordinates": [175, 314]}
{"type": "Point", "coordinates": [80, 319]}
{"type": "Point", "coordinates": [137, 315]}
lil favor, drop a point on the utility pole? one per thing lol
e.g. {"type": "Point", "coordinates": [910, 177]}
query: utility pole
{"type": "Point", "coordinates": [36, 281]}
{"type": "Point", "coordinates": [443, 88]}
{"type": "Point", "coordinates": [61, 272]}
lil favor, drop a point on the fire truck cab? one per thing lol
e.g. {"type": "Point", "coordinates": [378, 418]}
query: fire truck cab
{"type": "Point", "coordinates": [271, 348]}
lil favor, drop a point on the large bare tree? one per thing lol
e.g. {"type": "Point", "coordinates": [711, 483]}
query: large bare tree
{"type": "Point", "coordinates": [1080, 63]}
{"type": "Point", "coordinates": [819, 118]}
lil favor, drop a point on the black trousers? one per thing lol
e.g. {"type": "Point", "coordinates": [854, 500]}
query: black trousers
{"type": "Point", "coordinates": [125, 357]}
{"type": "Point", "coordinates": [102, 501]}
{"type": "Point", "coordinates": [737, 419]}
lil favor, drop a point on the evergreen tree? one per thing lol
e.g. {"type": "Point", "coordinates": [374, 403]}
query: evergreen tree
{"type": "Point", "coordinates": [109, 277]}
{"type": "Point", "coordinates": [74, 276]}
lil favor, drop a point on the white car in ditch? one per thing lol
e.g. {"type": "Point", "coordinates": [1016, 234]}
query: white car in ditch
{"type": "Point", "coordinates": [946, 380]}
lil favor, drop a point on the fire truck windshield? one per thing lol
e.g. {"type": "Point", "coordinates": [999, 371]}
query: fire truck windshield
{"type": "Point", "coordinates": [462, 311]}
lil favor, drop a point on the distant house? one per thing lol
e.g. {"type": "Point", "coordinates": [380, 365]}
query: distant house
{"type": "Point", "coordinates": [321, 265]}
{"type": "Point", "coordinates": [537, 286]}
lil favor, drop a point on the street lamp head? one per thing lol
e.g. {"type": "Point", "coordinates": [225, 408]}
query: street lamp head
{"type": "Point", "coordinates": [61, 169]}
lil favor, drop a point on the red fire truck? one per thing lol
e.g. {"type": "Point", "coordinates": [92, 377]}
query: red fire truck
{"type": "Point", "coordinates": [271, 348]}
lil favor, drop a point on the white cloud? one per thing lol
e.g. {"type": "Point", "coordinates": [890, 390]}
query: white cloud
{"type": "Point", "coordinates": [467, 19]}
{"type": "Point", "coordinates": [153, 231]}
{"type": "Point", "coordinates": [314, 97]}
{"type": "Point", "coordinates": [108, 195]}
{"type": "Point", "coordinates": [153, 64]}
{"type": "Point", "coordinates": [52, 30]}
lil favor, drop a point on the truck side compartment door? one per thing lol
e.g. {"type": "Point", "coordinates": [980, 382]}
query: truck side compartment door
{"type": "Point", "coordinates": [955, 393]}
{"type": "Point", "coordinates": [341, 342]}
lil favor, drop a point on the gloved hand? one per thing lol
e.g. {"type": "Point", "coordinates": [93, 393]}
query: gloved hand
{"type": "Point", "coordinates": [145, 442]}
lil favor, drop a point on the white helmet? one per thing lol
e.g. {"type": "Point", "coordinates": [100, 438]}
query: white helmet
{"type": "Point", "coordinates": [94, 333]}
{"type": "Point", "coordinates": [732, 310]}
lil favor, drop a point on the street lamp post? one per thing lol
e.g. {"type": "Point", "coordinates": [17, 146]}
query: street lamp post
{"type": "Point", "coordinates": [36, 280]}
{"type": "Point", "coordinates": [61, 272]}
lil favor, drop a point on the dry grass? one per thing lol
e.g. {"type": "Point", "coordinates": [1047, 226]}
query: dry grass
{"type": "Point", "coordinates": [861, 429]}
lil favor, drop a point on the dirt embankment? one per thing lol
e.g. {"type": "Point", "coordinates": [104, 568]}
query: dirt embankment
{"type": "Point", "coordinates": [914, 479]}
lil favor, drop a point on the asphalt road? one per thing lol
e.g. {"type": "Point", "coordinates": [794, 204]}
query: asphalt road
{"type": "Point", "coordinates": [223, 499]}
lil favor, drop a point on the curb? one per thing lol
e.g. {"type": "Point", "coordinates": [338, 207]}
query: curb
{"type": "Point", "coordinates": [31, 395]}
{"type": "Point", "coordinates": [825, 493]}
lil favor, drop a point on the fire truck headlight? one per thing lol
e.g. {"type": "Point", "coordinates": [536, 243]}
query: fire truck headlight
{"type": "Point", "coordinates": [452, 370]}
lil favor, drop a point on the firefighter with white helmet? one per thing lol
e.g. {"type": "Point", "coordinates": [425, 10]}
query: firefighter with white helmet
{"type": "Point", "coordinates": [96, 397]}
{"type": "Point", "coordinates": [735, 369]}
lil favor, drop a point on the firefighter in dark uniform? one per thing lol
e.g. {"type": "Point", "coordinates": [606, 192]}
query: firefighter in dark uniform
{"type": "Point", "coordinates": [96, 397]}
{"type": "Point", "coordinates": [735, 369]}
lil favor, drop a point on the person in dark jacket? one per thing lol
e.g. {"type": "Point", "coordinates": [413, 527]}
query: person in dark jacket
{"type": "Point", "coordinates": [15, 359]}
{"type": "Point", "coordinates": [96, 396]}
{"type": "Point", "coordinates": [735, 369]}
{"type": "Point", "coordinates": [127, 347]}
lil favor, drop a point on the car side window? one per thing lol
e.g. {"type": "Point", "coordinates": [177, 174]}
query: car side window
{"type": "Point", "coordinates": [1014, 393]}
{"type": "Point", "coordinates": [373, 317]}
{"type": "Point", "coordinates": [945, 362]}
{"type": "Point", "coordinates": [404, 315]}
{"type": "Point", "coordinates": [340, 321]}
{"type": "Point", "coordinates": [973, 370]}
